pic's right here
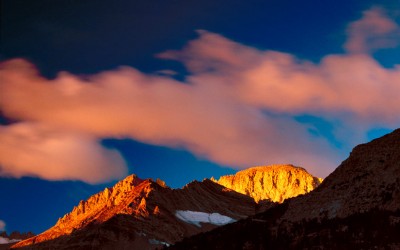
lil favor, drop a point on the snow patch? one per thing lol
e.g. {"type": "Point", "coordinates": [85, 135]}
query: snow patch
{"type": "Point", "coordinates": [195, 218]}
{"type": "Point", "coordinates": [157, 242]}
{"type": "Point", "coordinates": [7, 240]}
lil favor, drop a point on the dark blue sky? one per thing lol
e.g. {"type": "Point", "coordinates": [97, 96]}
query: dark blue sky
{"type": "Point", "coordinates": [86, 37]}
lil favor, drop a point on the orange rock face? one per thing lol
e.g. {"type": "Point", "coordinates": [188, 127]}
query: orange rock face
{"type": "Point", "coordinates": [98, 208]}
{"type": "Point", "coordinates": [275, 183]}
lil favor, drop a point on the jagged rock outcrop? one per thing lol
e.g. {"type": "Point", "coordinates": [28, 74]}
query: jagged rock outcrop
{"type": "Point", "coordinates": [142, 214]}
{"type": "Point", "coordinates": [275, 183]}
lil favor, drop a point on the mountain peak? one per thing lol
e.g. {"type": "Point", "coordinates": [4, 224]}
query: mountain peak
{"type": "Point", "coordinates": [275, 182]}
{"type": "Point", "coordinates": [128, 183]}
{"type": "Point", "coordinates": [125, 197]}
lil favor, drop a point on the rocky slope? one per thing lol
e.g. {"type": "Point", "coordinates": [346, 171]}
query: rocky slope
{"type": "Point", "coordinates": [356, 207]}
{"type": "Point", "coordinates": [144, 214]}
{"type": "Point", "coordinates": [275, 183]}
{"type": "Point", "coordinates": [368, 179]}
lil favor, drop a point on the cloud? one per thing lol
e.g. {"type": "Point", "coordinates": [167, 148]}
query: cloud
{"type": "Point", "coordinates": [207, 120]}
{"type": "Point", "coordinates": [353, 87]}
{"type": "Point", "coordinates": [29, 149]}
{"type": "Point", "coordinates": [2, 225]}
{"type": "Point", "coordinates": [238, 107]}
{"type": "Point", "coordinates": [373, 31]}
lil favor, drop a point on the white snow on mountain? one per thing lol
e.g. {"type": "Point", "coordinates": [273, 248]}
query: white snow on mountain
{"type": "Point", "coordinates": [157, 242]}
{"type": "Point", "coordinates": [195, 218]}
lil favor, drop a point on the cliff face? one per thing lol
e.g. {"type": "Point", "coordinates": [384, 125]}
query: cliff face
{"type": "Point", "coordinates": [144, 214]}
{"type": "Point", "coordinates": [275, 183]}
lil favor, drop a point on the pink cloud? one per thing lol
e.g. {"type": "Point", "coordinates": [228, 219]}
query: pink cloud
{"type": "Point", "coordinates": [373, 31]}
{"type": "Point", "coordinates": [158, 110]}
{"type": "Point", "coordinates": [354, 84]}
{"type": "Point", "coordinates": [207, 48]}
{"type": "Point", "coordinates": [236, 108]}
{"type": "Point", "coordinates": [28, 149]}
{"type": "Point", "coordinates": [339, 84]}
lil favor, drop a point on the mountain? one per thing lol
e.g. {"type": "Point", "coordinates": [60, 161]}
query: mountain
{"type": "Point", "coordinates": [274, 183]}
{"type": "Point", "coordinates": [356, 207]}
{"type": "Point", "coordinates": [143, 214]}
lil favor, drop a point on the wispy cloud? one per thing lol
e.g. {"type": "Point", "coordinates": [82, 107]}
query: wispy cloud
{"type": "Point", "coordinates": [373, 31]}
{"type": "Point", "coordinates": [238, 107]}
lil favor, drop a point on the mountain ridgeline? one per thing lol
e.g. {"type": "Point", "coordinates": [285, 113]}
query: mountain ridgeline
{"type": "Point", "coordinates": [144, 214]}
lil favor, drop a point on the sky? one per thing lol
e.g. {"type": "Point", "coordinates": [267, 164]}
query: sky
{"type": "Point", "coordinates": [91, 91]}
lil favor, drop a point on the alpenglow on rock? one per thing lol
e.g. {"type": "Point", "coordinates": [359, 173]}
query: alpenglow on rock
{"type": "Point", "coordinates": [275, 183]}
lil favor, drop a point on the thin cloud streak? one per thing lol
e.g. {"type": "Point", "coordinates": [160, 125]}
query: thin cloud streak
{"type": "Point", "coordinates": [238, 107]}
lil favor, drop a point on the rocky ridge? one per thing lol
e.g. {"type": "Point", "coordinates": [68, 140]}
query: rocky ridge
{"type": "Point", "coordinates": [275, 183]}
{"type": "Point", "coordinates": [141, 214]}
